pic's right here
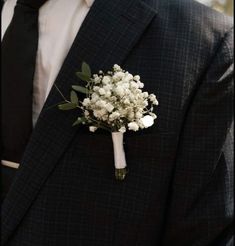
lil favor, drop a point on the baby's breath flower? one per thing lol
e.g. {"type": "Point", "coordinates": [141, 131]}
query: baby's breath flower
{"type": "Point", "coordinates": [106, 80]}
{"type": "Point", "coordinates": [102, 91]}
{"type": "Point", "coordinates": [86, 113]}
{"type": "Point", "coordinates": [145, 94]}
{"type": "Point", "coordinates": [118, 76]}
{"type": "Point", "coordinates": [97, 80]}
{"type": "Point", "coordinates": [138, 115]}
{"type": "Point", "coordinates": [137, 78]}
{"type": "Point", "coordinates": [119, 91]}
{"type": "Point", "coordinates": [128, 77]}
{"type": "Point", "coordinates": [113, 99]}
{"type": "Point", "coordinates": [114, 116]}
{"type": "Point", "coordinates": [86, 102]}
{"type": "Point", "coordinates": [109, 107]}
{"type": "Point", "coordinates": [153, 99]}
{"type": "Point", "coordinates": [140, 123]}
{"type": "Point", "coordinates": [131, 115]}
{"type": "Point", "coordinates": [147, 121]}
{"type": "Point", "coordinates": [108, 88]}
{"type": "Point", "coordinates": [133, 126]}
{"type": "Point", "coordinates": [134, 85]}
{"type": "Point", "coordinates": [155, 102]}
{"type": "Point", "coordinates": [126, 101]}
{"type": "Point", "coordinates": [141, 85]}
{"type": "Point", "coordinates": [117, 68]}
{"type": "Point", "coordinates": [122, 129]}
{"type": "Point", "coordinates": [94, 97]}
{"type": "Point", "coordinates": [100, 113]}
{"type": "Point", "coordinates": [92, 128]}
{"type": "Point", "coordinates": [105, 117]}
{"type": "Point", "coordinates": [145, 103]}
{"type": "Point", "coordinates": [108, 94]}
{"type": "Point", "coordinates": [96, 88]}
{"type": "Point", "coordinates": [100, 103]}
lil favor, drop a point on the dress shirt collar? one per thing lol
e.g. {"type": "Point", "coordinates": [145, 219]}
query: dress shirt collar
{"type": "Point", "coordinates": [89, 3]}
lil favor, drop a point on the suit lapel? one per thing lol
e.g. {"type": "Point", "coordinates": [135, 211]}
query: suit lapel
{"type": "Point", "coordinates": [108, 33]}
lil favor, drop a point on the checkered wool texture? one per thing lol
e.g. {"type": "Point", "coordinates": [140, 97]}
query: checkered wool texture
{"type": "Point", "coordinates": [179, 189]}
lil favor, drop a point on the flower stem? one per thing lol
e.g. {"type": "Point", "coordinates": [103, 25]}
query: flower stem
{"type": "Point", "coordinates": [60, 92]}
{"type": "Point", "coordinates": [120, 174]}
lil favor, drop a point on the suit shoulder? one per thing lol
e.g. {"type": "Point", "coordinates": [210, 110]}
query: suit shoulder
{"type": "Point", "coordinates": [192, 15]}
{"type": "Point", "coordinates": [189, 29]}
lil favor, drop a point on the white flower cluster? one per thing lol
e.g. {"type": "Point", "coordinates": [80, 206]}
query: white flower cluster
{"type": "Point", "coordinates": [116, 101]}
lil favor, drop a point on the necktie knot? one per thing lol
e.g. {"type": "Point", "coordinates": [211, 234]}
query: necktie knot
{"type": "Point", "coordinates": [35, 4]}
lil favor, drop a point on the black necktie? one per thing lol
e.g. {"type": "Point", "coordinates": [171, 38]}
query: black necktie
{"type": "Point", "coordinates": [19, 49]}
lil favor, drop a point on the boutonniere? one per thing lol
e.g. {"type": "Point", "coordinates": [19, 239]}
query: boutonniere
{"type": "Point", "coordinates": [114, 101]}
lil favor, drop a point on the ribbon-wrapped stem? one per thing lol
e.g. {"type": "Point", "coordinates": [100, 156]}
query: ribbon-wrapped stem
{"type": "Point", "coordinates": [119, 156]}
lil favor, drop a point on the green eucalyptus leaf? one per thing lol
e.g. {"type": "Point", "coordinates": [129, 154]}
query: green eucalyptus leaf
{"type": "Point", "coordinates": [74, 97]}
{"type": "Point", "coordinates": [80, 89]}
{"type": "Point", "coordinates": [83, 76]}
{"type": "Point", "coordinates": [67, 106]}
{"type": "Point", "coordinates": [86, 70]}
{"type": "Point", "coordinates": [79, 121]}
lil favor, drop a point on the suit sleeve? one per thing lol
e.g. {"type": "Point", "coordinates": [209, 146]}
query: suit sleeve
{"type": "Point", "coordinates": [201, 202]}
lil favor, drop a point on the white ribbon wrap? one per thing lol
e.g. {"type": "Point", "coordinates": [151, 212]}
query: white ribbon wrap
{"type": "Point", "coordinates": [119, 153]}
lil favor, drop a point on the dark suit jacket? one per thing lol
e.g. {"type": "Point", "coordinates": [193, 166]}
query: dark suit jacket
{"type": "Point", "coordinates": [179, 190]}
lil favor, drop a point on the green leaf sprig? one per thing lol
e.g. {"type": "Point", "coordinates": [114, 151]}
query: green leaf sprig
{"type": "Point", "coordinates": [74, 103]}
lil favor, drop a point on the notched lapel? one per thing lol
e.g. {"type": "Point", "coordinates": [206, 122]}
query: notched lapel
{"type": "Point", "coordinates": [108, 33]}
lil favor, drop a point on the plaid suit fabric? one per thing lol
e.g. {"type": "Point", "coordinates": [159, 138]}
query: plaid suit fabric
{"type": "Point", "coordinates": [179, 190]}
